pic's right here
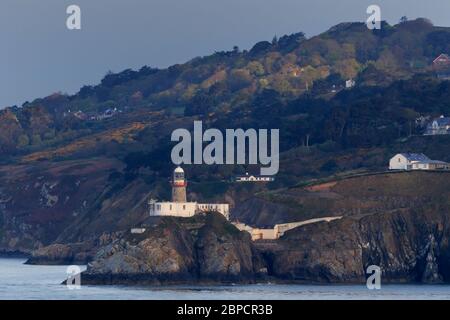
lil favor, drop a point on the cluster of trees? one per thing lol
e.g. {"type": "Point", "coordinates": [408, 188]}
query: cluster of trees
{"type": "Point", "coordinates": [281, 82]}
{"type": "Point", "coordinates": [290, 65]}
{"type": "Point", "coordinates": [363, 117]}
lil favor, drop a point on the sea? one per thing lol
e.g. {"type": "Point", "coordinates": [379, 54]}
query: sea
{"type": "Point", "coordinates": [27, 282]}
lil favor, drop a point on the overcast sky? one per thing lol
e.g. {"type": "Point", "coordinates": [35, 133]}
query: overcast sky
{"type": "Point", "coordinates": [39, 55]}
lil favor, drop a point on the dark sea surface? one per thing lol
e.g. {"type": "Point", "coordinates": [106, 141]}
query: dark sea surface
{"type": "Point", "coordinates": [19, 281]}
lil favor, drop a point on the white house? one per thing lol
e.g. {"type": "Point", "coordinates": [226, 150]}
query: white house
{"type": "Point", "coordinates": [350, 83]}
{"type": "Point", "coordinates": [416, 161]}
{"type": "Point", "coordinates": [439, 126]}
{"type": "Point", "coordinates": [137, 230]}
{"type": "Point", "coordinates": [251, 178]}
{"type": "Point", "coordinates": [442, 60]}
{"type": "Point", "coordinates": [442, 66]}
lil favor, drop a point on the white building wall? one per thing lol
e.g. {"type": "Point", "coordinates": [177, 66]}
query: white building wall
{"type": "Point", "coordinates": [223, 208]}
{"type": "Point", "coordinates": [399, 162]}
{"type": "Point", "coordinates": [263, 234]}
{"type": "Point", "coordinates": [243, 227]}
{"type": "Point", "coordinates": [279, 229]}
{"type": "Point", "coordinates": [176, 209]}
{"type": "Point", "coordinates": [187, 209]}
{"type": "Point", "coordinates": [421, 166]}
{"type": "Point", "coordinates": [137, 230]}
{"type": "Point", "coordinates": [429, 166]}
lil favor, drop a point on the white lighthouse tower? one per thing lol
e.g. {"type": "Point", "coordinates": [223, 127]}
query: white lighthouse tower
{"type": "Point", "coordinates": [179, 184]}
{"type": "Point", "coordinates": [179, 206]}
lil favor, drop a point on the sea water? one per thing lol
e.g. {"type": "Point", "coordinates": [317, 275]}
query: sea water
{"type": "Point", "coordinates": [20, 281]}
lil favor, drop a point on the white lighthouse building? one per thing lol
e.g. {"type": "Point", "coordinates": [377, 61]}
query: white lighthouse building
{"type": "Point", "coordinates": [179, 206]}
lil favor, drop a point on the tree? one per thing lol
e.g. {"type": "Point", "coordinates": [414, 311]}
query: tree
{"type": "Point", "coordinates": [239, 79]}
{"type": "Point", "coordinates": [200, 104]}
{"type": "Point", "coordinates": [329, 166]}
{"type": "Point", "coordinates": [260, 48]}
{"type": "Point", "coordinates": [50, 134]}
{"type": "Point", "coordinates": [256, 68]}
{"type": "Point", "coordinates": [274, 40]}
{"type": "Point", "coordinates": [403, 19]}
{"type": "Point", "coordinates": [36, 140]}
{"type": "Point", "coordinates": [23, 140]}
{"type": "Point", "coordinates": [136, 98]}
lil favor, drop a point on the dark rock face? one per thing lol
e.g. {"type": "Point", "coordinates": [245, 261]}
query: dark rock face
{"type": "Point", "coordinates": [261, 213]}
{"type": "Point", "coordinates": [200, 249]}
{"type": "Point", "coordinates": [53, 255]}
{"type": "Point", "coordinates": [71, 253]}
{"type": "Point", "coordinates": [39, 202]}
{"type": "Point", "coordinates": [410, 245]}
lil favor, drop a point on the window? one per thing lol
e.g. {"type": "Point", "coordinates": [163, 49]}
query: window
{"type": "Point", "coordinates": [184, 207]}
{"type": "Point", "coordinates": [399, 160]}
{"type": "Point", "coordinates": [158, 207]}
{"type": "Point", "coordinates": [170, 207]}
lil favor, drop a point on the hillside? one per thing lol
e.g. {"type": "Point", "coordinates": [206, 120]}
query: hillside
{"type": "Point", "coordinates": [234, 83]}
{"type": "Point", "coordinates": [397, 221]}
{"type": "Point", "coordinates": [75, 167]}
{"type": "Point", "coordinates": [357, 196]}
{"type": "Point", "coordinates": [410, 245]}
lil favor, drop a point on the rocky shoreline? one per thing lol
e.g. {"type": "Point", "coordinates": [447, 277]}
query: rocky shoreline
{"type": "Point", "coordinates": [80, 253]}
{"type": "Point", "coordinates": [14, 254]}
{"type": "Point", "coordinates": [60, 254]}
{"type": "Point", "coordinates": [202, 249]}
{"type": "Point", "coordinates": [409, 245]}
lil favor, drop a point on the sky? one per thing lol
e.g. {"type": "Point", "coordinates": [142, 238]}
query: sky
{"type": "Point", "coordinates": [39, 55]}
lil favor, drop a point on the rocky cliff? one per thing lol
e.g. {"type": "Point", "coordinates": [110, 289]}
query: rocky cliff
{"type": "Point", "coordinates": [409, 245]}
{"type": "Point", "coordinates": [39, 202]}
{"type": "Point", "coordinates": [397, 221]}
{"type": "Point", "coordinates": [71, 253]}
{"type": "Point", "coordinates": [203, 249]}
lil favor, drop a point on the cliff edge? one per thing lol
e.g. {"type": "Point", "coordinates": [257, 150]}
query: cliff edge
{"type": "Point", "coordinates": [202, 249]}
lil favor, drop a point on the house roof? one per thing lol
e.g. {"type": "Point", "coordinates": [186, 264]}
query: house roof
{"type": "Point", "coordinates": [416, 157]}
{"type": "Point", "coordinates": [443, 121]}
{"type": "Point", "coordinates": [442, 56]}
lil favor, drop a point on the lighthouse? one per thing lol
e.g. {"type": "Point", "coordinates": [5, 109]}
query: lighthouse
{"type": "Point", "coordinates": [179, 184]}
{"type": "Point", "coordinates": [179, 206]}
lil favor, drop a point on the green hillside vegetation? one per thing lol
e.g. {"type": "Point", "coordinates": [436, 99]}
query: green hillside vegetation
{"type": "Point", "coordinates": [292, 83]}
{"type": "Point", "coordinates": [225, 83]}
